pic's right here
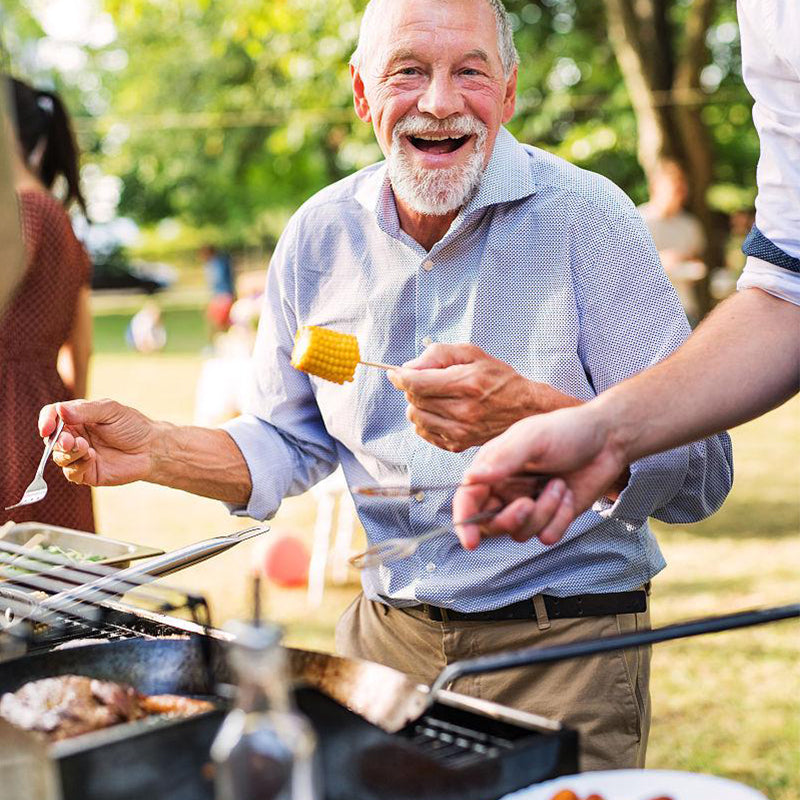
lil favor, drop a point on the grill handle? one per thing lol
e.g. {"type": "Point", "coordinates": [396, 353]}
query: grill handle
{"type": "Point", "coordinates": [545, 655]}
{"type": "Point", "coordinates": [143, 572]}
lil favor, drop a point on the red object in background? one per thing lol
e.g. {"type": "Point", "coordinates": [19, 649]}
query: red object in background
{"type": "Point", "coordinates": [218, 311]}
{"type": "Point", "coordinates": [286, 562]}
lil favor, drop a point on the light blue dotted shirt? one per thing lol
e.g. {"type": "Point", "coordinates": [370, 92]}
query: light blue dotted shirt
{"type": "Point", "coordinates": [549, 268]}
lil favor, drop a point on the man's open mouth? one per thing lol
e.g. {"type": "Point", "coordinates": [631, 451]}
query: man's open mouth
{"type": "Point", "coordinates": [438, 144]}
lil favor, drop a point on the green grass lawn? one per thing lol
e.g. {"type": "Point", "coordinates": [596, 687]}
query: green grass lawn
{"type": "Point", "coordinates": [727, 704]}
{"type": "Point", "coordinates": [185, 323]}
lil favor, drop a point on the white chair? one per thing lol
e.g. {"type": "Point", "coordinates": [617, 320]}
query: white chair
{"type": "Point", "coordinates": [329, 494]}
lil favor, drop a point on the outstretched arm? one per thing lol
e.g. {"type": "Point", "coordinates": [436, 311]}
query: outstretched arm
{"type": "Point", "coordinates": [107, 444]}
{"type": "Point", "coordinates": [741, 362]}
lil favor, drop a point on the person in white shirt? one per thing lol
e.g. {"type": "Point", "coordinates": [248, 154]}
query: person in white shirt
{"type": "Point", "coordinates": [742, 361]}
{"type": "Point", "coordinates": [677, 233]}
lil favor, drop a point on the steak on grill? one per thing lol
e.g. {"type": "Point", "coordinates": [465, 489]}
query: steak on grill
{"type": "Point", "coordinates": [69, 705]}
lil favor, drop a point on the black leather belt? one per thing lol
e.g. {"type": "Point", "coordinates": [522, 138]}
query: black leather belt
{"type": "Point", "coordinates": [581, 605]}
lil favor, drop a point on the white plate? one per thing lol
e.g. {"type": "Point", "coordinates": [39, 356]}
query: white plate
{"type": "Point", "coordinates": [642, 784]}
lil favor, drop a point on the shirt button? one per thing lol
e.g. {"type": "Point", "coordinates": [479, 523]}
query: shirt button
{"type": "Point", "coordinates": [427, 341]}
{"type": "Point", "coordinates": [419, 496]}
{"type": "Point", "coordinates": [430, 566]}
{"type": "Point", "coordinates": [427, 265]}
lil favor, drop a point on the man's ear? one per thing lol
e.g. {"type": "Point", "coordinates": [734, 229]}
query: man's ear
{"type": "Point", "coordinates": [510, 100]}
{"type": "Point", "coordinates": [359, 97]}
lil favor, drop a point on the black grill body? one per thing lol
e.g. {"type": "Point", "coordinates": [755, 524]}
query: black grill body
{"type": "Point", "coordinates": [452, 753]}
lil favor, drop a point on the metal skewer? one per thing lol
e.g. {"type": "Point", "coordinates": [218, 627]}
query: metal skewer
{"type": "Point", "coordinates": [409, 491]}
{"type": "Point", "coordinates": [402, 547]}
{"type": "Point", "coordinates": [378, 364]}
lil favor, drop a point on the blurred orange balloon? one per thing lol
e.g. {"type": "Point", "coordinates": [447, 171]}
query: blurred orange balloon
{"type": "Point", "coordinates": [285, 562]}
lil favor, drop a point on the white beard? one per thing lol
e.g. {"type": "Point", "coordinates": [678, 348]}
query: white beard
{"type": "Point", "coordinates": [435, 192]}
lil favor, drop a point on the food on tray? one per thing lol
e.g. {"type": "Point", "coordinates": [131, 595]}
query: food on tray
{"type": "Point", "coordinates": [32, 564]}
{"type": "Point", "coordinates": [568, 794]}
{"type": "Point", "coordinates": [69, 705]}
{"type": "Point", "coordinates": [327, 354]}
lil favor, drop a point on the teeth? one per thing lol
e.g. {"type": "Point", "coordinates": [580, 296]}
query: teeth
{"type": "Point", "coordinates": [434, 137]}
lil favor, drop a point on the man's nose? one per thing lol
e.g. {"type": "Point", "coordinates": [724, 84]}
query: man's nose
{"type": "Point", "coordinates": [441, 97]}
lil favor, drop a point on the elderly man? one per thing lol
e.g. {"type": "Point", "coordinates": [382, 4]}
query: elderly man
{"type": "Point", "coordinates": [466, 238]}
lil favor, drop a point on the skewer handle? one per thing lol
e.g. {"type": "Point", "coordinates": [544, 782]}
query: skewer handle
{"type": "Point", "coordinates": [378, 364]}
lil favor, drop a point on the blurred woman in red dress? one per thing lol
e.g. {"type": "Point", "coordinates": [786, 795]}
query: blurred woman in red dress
{"type": "Point", "coordinates": [46, 330]}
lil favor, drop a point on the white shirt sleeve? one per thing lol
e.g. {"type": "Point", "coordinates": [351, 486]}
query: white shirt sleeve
{"type": "Point", "coordinates": [783, 283]}
{"type": "Point", "coordinates": [770, 37]}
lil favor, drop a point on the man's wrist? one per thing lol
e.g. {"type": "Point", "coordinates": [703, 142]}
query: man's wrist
{"type": "Point", "coordinates": [608, 420]}
{"type": "Point", "coordinates": [542, 398]}
{"type": "Point", "coordinates": [163, 445]}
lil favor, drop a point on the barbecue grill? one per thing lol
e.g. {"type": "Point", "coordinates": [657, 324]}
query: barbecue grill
{"type": "Point", "coordinates": [427, 743]}
{"type": "Point", "coordinates": [460, 748]}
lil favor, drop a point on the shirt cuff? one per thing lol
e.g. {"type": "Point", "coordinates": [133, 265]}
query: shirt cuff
{"type": "Point", "coordinates": [654, 482]}
{"type": "Point", "coordinates": [777, 281]}
{"type": "Point", "coordinates": [268, 461]}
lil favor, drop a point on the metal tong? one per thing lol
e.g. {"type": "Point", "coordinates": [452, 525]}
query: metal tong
{"type": "Point", "coordinates": [535, 479]}
{"type": "Point", "coordinates": [119, 582]}
{"type": "Point", "coordinates": [401, 547]}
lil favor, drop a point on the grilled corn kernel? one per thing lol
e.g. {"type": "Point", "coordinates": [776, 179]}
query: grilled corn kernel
{"type": "Point", "coordinates": [326, 354]}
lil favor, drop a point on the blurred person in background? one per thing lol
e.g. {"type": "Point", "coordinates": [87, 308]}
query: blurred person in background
{"type": "Point", "coordinates": [742, 361]}
{"type": "Point", "coordinates": [46, 329]}
{"type": "Point", "coordinates": [146, 332]}
{"type": "Point", "coordinates": [678, 234]}
{"type": "Point", "coordinates": [219, 276]}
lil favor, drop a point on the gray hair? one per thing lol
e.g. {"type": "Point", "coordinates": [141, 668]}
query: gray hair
{"type": "Point", "coordinates": [505, 35]}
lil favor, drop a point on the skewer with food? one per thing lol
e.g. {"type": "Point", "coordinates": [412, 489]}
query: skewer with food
{"type": "Point", "coordinates": [328, 354]}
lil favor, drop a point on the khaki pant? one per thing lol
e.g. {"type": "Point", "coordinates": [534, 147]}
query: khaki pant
{"type": "Point", "coordinates": [605, 697]}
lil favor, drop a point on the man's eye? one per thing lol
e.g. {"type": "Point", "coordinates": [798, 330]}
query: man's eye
{"type": "Point", "coordinates": [408, 71]}
{"type": "Point", "coordinates": [471, 72]}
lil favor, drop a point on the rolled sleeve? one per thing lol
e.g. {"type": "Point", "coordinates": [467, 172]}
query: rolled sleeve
{"type": "Point", "coordinates": [631, 319]}
{"type": "Point", "coordinates": [268, 461]}
{"type": "Point", "coordinates": [775, 280]}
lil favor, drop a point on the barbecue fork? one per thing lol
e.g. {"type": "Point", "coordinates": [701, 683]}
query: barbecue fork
{"type": "Point", "coordinates": [37, 488]}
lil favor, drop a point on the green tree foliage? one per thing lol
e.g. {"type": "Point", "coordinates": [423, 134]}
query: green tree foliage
{"type": "Point", "coordinates": [228, 115]}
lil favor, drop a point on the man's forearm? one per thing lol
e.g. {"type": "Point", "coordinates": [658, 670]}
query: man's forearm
{"type": "Point", "coordinates": [741, 362]}
{"type": "Point", "coordinates": [203, 461]}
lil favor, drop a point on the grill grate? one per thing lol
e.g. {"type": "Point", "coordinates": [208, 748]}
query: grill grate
{"type": "Point", "coordinates": [113, 622]}
{"type": "Point", "coordinates": [454, 744]}
{"type": "Point", "coordinates": [71, 630]}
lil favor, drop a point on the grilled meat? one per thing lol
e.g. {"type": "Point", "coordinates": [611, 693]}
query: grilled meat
{"type": "Point", "coordinates": [70, 705]}
{"type": "Point", "coordinates": [174, 705]}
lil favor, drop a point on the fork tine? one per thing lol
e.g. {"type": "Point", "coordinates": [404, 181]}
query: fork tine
{"type": "Point", "coordinates": [37, 488]}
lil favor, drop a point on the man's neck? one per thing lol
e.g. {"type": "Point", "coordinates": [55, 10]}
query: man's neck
{"type": "Point", "coordinates": [427, 230]}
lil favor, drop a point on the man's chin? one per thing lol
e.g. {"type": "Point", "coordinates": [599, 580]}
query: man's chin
{"type": "Point", "coordinates": [430, 201]}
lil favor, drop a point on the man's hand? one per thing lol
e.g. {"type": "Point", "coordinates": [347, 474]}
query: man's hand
{"type": "Point", "coordinates": [103, 443]}
{"type": "Point", "coordinates": [571, 444]}
{"type": "Point", "coordinates": [459, 396]}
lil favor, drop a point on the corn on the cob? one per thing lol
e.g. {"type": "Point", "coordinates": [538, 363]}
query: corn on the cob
{"type": "Point", "coordinates": [327, 354]}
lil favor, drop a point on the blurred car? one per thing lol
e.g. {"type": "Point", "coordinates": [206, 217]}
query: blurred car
{"type": "Point", "coordinates": [114, 270]}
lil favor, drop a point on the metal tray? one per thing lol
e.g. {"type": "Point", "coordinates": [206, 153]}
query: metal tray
{"type": "Point", "coordinates": [113, 551]}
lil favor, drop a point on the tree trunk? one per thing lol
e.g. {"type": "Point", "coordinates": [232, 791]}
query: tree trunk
{"type": "Point", "coordinates": [663, 82]}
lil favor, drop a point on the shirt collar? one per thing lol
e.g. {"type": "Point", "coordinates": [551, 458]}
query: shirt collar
{"type": "Point", "coordinates": [507, 177]}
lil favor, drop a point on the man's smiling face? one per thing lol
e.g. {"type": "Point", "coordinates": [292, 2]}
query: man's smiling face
{"type": "Point", "coordinates": [431, 82]}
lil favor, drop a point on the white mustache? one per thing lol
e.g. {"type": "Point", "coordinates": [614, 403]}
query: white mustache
{"type": "Point", "coordinates": [461, 125]}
